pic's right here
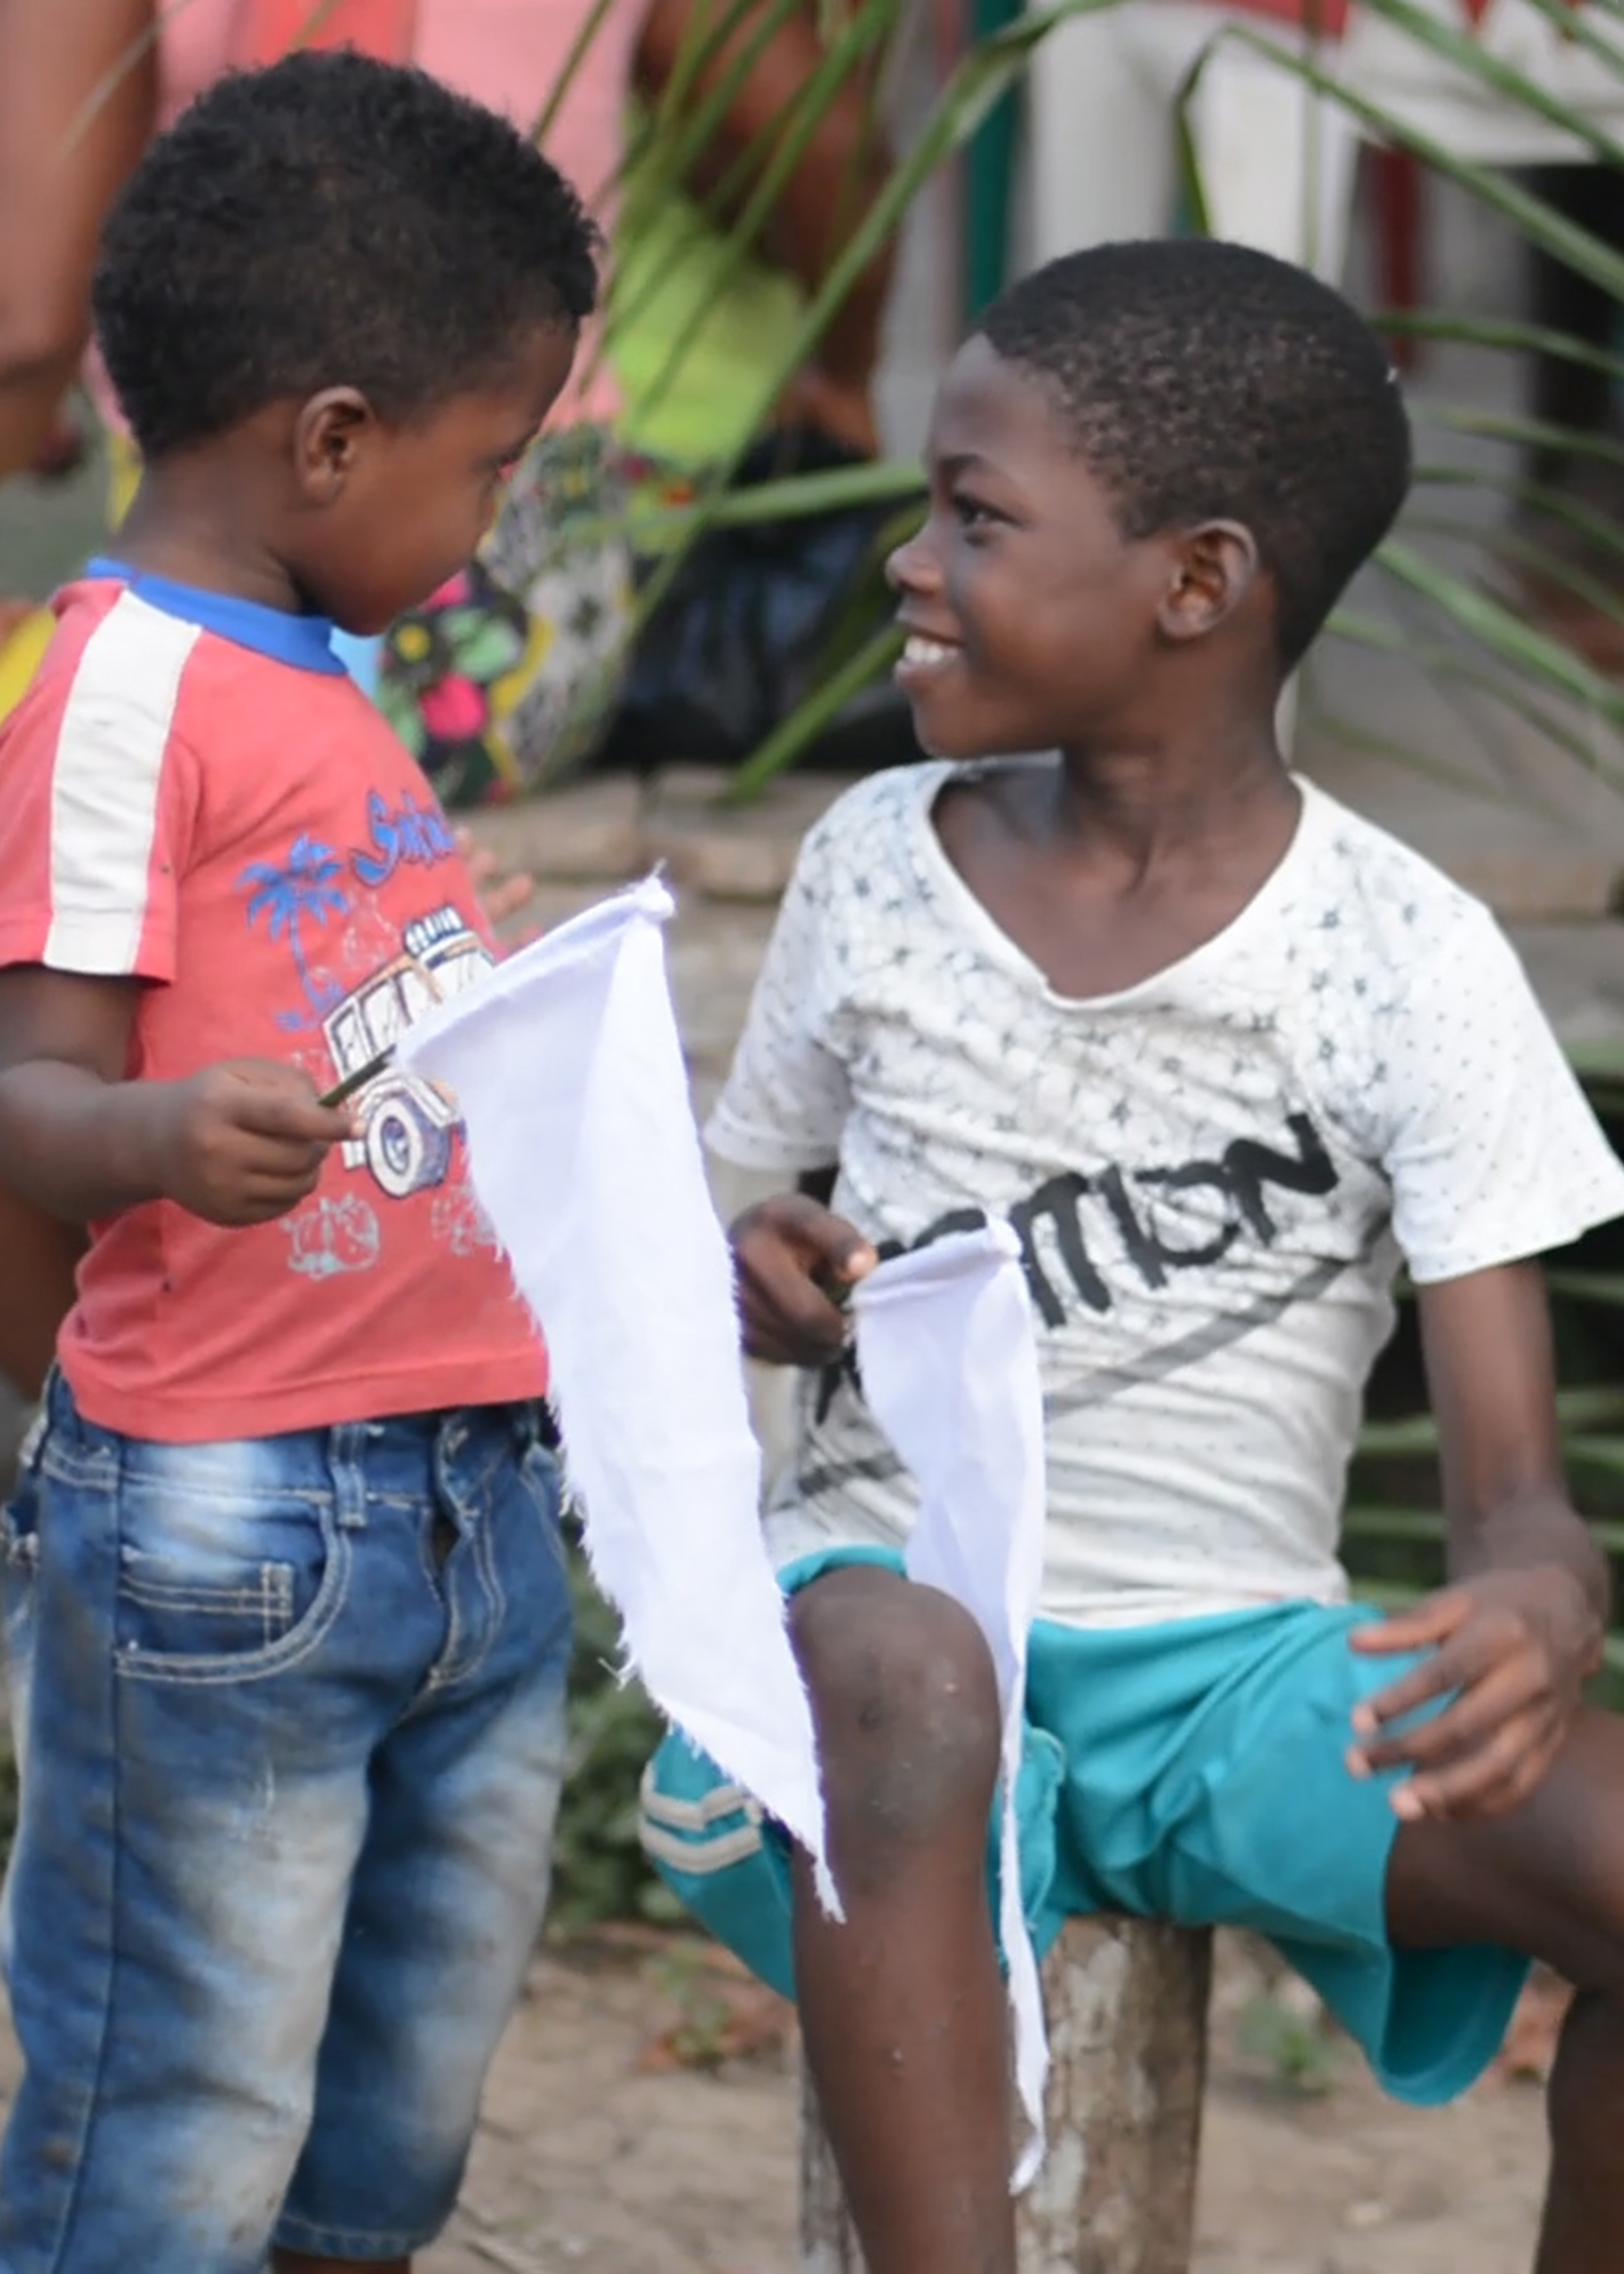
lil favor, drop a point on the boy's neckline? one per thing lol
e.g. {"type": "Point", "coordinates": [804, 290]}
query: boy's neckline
{"type": "Point", "coordinates": [304, 642]}
{"type": "Point", "coordinates": [947, 878]}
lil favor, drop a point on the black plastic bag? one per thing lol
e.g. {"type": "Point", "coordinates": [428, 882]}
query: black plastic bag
{"type": "Point", "coordinates": [745, 631]}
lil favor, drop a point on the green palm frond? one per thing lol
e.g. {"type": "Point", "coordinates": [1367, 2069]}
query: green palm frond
{"type": "Point", "coordinates": [786, 741]}
{"type": "Point", "coordinates": [1470, 670]}
{"type": "Point", "coordinates": [1462, 328]}
{"type": "Point", "coordinates": [1468, 54]}
{"type": "Point", "coordinates": [1533, 652]}
{"type": "Point", "coordinates": [1532, 216]}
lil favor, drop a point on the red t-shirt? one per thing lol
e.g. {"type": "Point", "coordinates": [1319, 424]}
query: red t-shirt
{"type": "Point", "coordinates": [194, 794]}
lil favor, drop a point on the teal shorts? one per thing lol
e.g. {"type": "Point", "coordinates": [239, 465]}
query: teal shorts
{"type": "Point", "coordinates": [1193, 1772]}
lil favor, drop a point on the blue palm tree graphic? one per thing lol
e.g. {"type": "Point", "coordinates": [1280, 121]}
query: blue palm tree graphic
{"type": "Point", "coordinates": [302, 888]}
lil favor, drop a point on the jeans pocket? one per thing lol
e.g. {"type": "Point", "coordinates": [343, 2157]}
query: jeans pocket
{"type": "Point", "coordinates": [217, 1584]}
{"type": "Point", "coordinates": [163, 1615]}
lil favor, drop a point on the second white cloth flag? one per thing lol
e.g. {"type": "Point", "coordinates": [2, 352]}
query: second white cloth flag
{"type": "Point", "coordinates": [950, 1371]}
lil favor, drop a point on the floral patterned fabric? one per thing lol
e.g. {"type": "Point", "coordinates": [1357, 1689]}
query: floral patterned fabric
{"type": "Point", "coordinates": [508, 676]}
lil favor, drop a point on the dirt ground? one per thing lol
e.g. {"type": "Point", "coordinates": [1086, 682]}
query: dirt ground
{"type": "Point", "coordinates": [591, 2156]}
{"type": "Point", "coordinates": [595, 2154]}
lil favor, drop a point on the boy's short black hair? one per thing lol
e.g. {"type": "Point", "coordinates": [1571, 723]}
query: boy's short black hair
{"type": "Point", "coordinates": [329, 222]}
{"type": "Point", "coordinates": [1204, 381]}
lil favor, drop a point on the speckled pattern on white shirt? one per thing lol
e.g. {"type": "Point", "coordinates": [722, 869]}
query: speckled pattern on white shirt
{"type": "Point", "coordinates": [1214, 1175]}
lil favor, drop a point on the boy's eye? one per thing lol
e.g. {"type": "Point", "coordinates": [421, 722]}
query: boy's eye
{"type": "Point", "coordinates": [972, 512]}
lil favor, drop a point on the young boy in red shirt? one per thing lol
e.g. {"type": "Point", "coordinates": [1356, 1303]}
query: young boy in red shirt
{"type": "Point", "coordinates": [286, 1607]}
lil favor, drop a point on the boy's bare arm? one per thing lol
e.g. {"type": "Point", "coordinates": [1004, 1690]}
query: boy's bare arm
{"type": "Point", "coordinates": [236, 1143]}
{"type": "Point", "coordinates": [1520, 1627]}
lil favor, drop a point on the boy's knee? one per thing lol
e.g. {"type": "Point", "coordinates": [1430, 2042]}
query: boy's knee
{"type": "Point", "coordinates": [907, 1701]}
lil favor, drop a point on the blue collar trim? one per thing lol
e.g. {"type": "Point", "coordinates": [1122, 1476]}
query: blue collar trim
{"type": "Point", "coordinates": [305, 642]}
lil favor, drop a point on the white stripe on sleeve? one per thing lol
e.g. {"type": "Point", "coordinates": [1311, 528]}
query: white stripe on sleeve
{"type": "Point", "coordinates": [106, 784]}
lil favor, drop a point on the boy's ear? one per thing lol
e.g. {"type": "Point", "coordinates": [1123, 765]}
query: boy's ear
{"type": "Point", "coordinates": [328, 431]}
{"type": "Point", "coordinates": [1215, 567]}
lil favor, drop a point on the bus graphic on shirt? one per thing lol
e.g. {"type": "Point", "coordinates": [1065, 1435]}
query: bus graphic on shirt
{"type": "Point", "coordinates": [408, 1124]}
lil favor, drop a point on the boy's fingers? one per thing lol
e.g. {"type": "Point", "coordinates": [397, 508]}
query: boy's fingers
{"type": "Point", "coordinates": [274, 1172]}
{"type": "Point", "coordinates": [263, 1194]}
{"type": "Point", "coordinates": [1433, 1679]}
{"type": "Point", "coordinates": [1461, 1663]}
{"type": "Point", "coordinates": [787, 1317]}
{"type": "Point", "coordinates": [478, 859]}
{"type": "Point", "coordinates": [504, 899]}
{"type": "Point", "coordinates": [1507, 1693]}
{"type": "Point", "coordinates": [849, 1255]}
{"type": "Point", "coordinates": [293, 1115]}
{"type": "Point", "coordinates": [823, 1239]}
{"type": "Point", "coordinates": [1431, 1621]}
{"type": "Point", "coordinates": [1494, 1778]}
{"type": "Point", "coordinates": [500, 896]}
{"type": "Point", "coordinates": [793, 1257]}
{"type": "Point", "coordinates": [274, 1184]}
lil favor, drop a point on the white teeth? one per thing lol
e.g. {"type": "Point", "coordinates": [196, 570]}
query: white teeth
{"type": "Point", "coordinates": [921, 650]}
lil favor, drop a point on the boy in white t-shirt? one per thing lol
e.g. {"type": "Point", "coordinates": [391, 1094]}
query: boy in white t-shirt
{"type": "Point", "coordinates": [1224, 1055]}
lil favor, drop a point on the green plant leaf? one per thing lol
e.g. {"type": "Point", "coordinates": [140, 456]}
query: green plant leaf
{"type": "Point", "coordinates": [1602, 1453]}
{"type": "Point", "coordinates": [1585, 1409]}
{"type": "Point", "coordinates": [1524, 552]}
{"type": "Point", "coordinates": [1449, 666]}
{"type": "Point", "coordinates": [1465, 329]}
{"type": "Point", "coordinates": [1604, 1287]}
{"type": "Point", "coordinates": [1577, 27]}
{"type": "Point", "coordinates": [581, 47]}
{"type": "Point", "coordinates": [786, 742]}
{"type": "Point", "coordinates": [1378, 1524]}
{"type": "Point", "coordinates": [1474, 58]}
{"type": "Point", "coordinates": [791, 499]}
{"type": "Point", "coordinates": [1502, 426]}
{"type": "Point", "coordinates": [1606, 535]}
{"type": "Point", "coordinates": [1505, 635]}
{"type": "Point", "coordinates": [1540, 222]}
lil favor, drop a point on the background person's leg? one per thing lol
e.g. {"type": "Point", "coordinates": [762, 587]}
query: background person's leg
{"type": "Point", "coordinates": [902, 2007]}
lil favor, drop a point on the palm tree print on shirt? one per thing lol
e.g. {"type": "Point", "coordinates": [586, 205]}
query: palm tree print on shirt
{"type": "Point", "coordinates": [301, 892]}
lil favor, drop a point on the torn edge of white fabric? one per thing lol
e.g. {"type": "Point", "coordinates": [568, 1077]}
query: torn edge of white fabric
{"type": "Point", "coordinates": [568, 1071]}
{"type": "Point", "coordinates": [949, 1363]}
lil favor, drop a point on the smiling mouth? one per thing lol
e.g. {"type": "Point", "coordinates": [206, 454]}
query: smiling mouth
{"type": "Point", "coordinates": [921, 654]}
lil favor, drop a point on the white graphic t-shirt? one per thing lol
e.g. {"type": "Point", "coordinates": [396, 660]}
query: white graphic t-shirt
{"type": "Point", "coordinates": [1214, 1175]}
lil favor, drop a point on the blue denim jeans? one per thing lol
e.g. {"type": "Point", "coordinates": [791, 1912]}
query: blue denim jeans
{"type": "Point", "coordinates": [290, 1719]}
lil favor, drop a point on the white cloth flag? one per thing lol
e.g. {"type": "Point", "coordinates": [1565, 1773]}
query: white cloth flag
{"type": "Point", "coordinates": [950, 1371]}
{"type": "Point", "coordinates": [567, 1069]}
